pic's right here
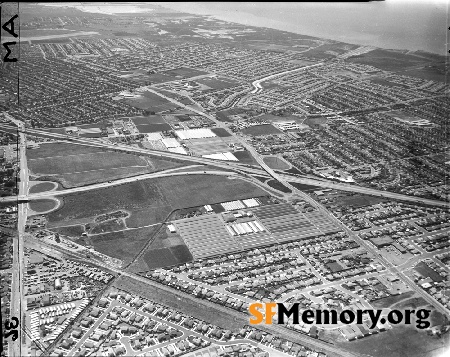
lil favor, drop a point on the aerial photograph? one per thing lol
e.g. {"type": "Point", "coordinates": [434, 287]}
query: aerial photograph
{"type": "Point", "coordinates": [225, 179]}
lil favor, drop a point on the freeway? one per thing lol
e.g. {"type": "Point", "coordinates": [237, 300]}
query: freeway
{"type": "Point", "coordinates": [238, 167]}
{"type": "Point", "coordinates": [166, 173]}
{"type": "Point", "coordinates": [284, 180]}
{"type": "Point", "coordinates": [15, 347]}
{"type": "Point", "coordinates": [124, 148]}
{"type": "Point", "coordinates": [363, 190]}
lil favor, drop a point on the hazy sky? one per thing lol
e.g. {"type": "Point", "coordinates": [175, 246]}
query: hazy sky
{"type": "Point", "coordinates": [401, 24]}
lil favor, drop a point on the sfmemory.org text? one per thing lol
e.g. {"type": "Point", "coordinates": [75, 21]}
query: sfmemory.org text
{"type": "Point", "coordinates": [264, 313]}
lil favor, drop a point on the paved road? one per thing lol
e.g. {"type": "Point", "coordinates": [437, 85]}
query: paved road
{"type": "Point", "coordinates": [15, 347]}
{"type": "Point", "coordinates": [166, 173]}
{"type": "Point", "coordinates": [390, 267]}
{"type": "Point", "coordinates": [331, 349]}
{"type": "Point", "coordinates": [242, 168]}
{"type": "Point", "coordinates": [257, 83]}
{"type": "Point", "coordinates": [363, 190]}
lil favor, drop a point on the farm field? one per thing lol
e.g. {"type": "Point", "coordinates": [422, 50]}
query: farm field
{"type": "Point", "coordinates": [206, 235]}
{"type": "Point", "coordinates": [166, 250]}
{"type": "Point", "coordinates": [122, 245]}
{"type": "Point", "coordinates": [75, 165]}
{"type": "Point", "coordinates": [149, 202]}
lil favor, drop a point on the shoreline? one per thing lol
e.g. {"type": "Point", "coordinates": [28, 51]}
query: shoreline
{"type": "Point", "coordinates": [246, 19]}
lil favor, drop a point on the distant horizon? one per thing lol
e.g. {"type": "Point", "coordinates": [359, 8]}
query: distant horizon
{"type": "Point", "coordinates": [397, 25]}
{"type": "Point", "coordinates": [393, 24]}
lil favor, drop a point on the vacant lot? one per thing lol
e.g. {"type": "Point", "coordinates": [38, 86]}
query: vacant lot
{"type": "Point", "coordinates": [315, 122]}
{"type": "Point", "coordinates": [358, 200]}
{"type": "Point", "coordinates": [153, 128]}
{"type": "Point", "coordinates": [217, 83]}
{"type": "Point", "coordinates": [184, 303]}
{"type": "Point", "coordinates": [401, 341]}
{"type": "Point", "coordinates": [71, 231]}
{"type": "Point", "coordinates": [193, 190]}
{"type": "Point", "coordinates": [278, 186]}
{"type": "Point", "coordinates": [258, 130]}
{"type": "Point", "coordinates": [150, 101]}
{"type": "Point", "coordinates": [276, 163]}
{"type": "Point", "coordinates": [148, 216]}
{"type": "Point", "coordinates": [245, 157]}
{"type": "Point", "coordinates": [392, 300]}
{"type": "Point", "coordinates": [84, 162]}
{"type": "Point", "coordinates": [185, 72]}
{"type": "Point", "coordinates": [221, 132]}
{"type": "Point", "coordinates": [108, 226]}
{"type": "Point", "coordinates": [60, 149]}
{"type": "Point", "coordinates": [42, 187]}
{"type": "Point", "coordinates": [97, 176]}
{"type": "Point", "coordinates": [436, 73]}
{"type": "Point", "coordinates": [151, 124]}
{"type": "Point", "coordinates": [390, 60]}
{"type": "Point", "coordinates": [426, 272]}
{"type": "Point", "coordinates": [75, 165]}
{"type": "Point", "coordinates": [303, 187]}
{"type": "Point", "coordinates": [42, 205]}
{"type": "Point", "coordinates": [329, 50]}
{"type": "Point", "coordinates": [224, 115]}
{"type": "Point", "coordinates": [150, 201]}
